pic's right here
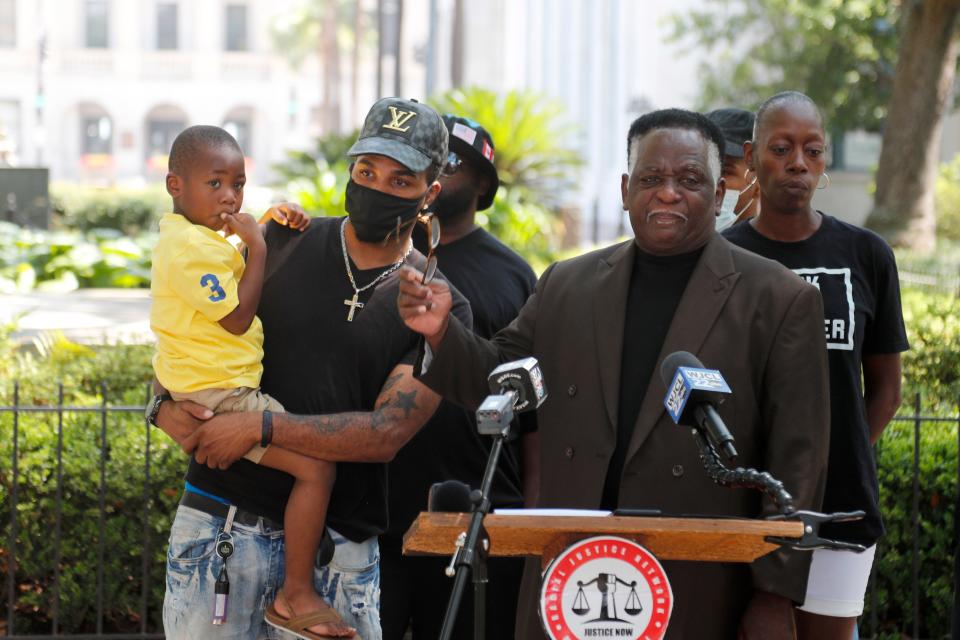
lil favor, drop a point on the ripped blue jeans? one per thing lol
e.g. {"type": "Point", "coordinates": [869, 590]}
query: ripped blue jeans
{"type": "Point", "coordinates": [350, 583]}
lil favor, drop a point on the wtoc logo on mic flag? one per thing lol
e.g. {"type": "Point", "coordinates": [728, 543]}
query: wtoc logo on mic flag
{"type": "Point", "coordinates": [685, 382]}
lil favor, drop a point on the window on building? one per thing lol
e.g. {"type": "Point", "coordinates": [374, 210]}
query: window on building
{"type": "Point", "coordinates": [160, 135]}
{"type": "Point", "coordinates": [97, 25]}
{"type": "Point", "coordinates": [237, 27]}
{"type": "Point", "coordinates": [96, 135]}
{"type": "Point", "coordinates": [856, 150]}
{"type": "Point", "coordinates": [8, 24]}
{"type": "Point", "coordinates": [167, 35]}
{"type": "Point", "coordinates": [239, 128]}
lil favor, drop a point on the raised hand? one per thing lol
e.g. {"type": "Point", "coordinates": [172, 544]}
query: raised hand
{"type": "Point", "coordinates": [288, 214]}
{"type": "Point", "coordinates": [424, 308]}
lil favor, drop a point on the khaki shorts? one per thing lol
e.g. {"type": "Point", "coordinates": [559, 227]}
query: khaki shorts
{"type": "Point", "coordinates": [227, 400]}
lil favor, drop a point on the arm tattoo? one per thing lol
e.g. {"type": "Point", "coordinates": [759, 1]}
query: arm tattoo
{"type": "Point", "coordinates": [337, 422]}
{"type": "Point", "coordinates": [391, 382]}
{"type": "Point", "coordinates": [407, 402]}
{"type": "Point", "coordinates": [325, 424]}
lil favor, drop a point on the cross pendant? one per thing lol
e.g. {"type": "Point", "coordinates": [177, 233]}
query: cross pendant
{"type": "Point", "coordinates": [354, 305]}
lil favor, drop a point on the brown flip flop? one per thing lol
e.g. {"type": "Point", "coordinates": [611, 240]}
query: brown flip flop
{"type": "Point", "coordinates": [300, 625]}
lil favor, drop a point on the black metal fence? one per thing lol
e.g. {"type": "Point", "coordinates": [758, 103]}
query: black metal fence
{"type": "Point", "coordinates": [103, 411]}
{"type": "Point", "coordinates": [150, 572]}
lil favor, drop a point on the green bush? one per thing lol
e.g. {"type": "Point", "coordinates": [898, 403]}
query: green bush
{"type": "Point", "coordinates": [125, 370]}
{"type": "Point", "coordinates": [932, 365]}
{"type": "Point", "coordinates": [948, 201]}
{"type": "Point", "coordinates": [938, 499]}
{"type": "Point", "coordinates": [128, 210]}
{"type": "Point", "coordinates": [67, 260]}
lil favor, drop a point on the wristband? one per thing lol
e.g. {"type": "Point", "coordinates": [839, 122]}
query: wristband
{"type": "Point", "coordinates": [266, 429]}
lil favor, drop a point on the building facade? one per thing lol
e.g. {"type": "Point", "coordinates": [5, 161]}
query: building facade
{"type": "Point", "coordinates": [98, 89]}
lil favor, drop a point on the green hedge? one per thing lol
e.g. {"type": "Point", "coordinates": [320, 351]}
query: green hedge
{"type": "Point", "coordinates": [132, 211]}
{"type": "Point", "coordinates": [893, 570]}
{"type": "Point", "coordinates": [125, 370]}
{"type": "Point", "coordinates": [66, 260]}
{"type": "Point", "coordinates": [932, 365]}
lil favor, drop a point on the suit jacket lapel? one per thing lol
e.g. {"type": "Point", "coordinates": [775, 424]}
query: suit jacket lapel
{"type": "Point", "coordinates": [710, 285]}
{"type": "Point", "coordinates": [609, 314]}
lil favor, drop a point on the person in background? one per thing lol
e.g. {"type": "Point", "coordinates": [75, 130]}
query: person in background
{"type": "Point", "coordinates": [496, 281]}
{"type": "Point", "coordinates": [742, 198]}
{"type": "Point", "coordinates": [856, 274]}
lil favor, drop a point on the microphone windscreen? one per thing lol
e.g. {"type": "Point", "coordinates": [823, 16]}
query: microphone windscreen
{"type": "Point", "coordinates": [676, 360]}
{"type": "Point", "coordinates": [449, 496]}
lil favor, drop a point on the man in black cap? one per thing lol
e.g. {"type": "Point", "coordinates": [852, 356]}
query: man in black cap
{"type": "Point", "coordinates": [497, 282]}
{"type": "Point", "coordinates": [742, 198]}
{"type": "Point", "coordinates": [336, 352]}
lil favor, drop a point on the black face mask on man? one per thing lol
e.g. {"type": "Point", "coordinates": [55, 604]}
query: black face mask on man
{"type": "Point", "coordinates": [451, 203]}
{"type": "Point", "coordinates": [376, 215]}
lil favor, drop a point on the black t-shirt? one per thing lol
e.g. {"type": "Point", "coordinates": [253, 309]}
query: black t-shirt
{"type": "Point", "coordinates": [656, 285]}
{"type": "Point", "coordinates": [315, 362]}
{"type": "Point", "coordinates": [496, 282]}
{"type": "Point", "coordinates": [856, 274]}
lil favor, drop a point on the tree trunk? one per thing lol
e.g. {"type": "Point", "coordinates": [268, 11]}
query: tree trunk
{"type": "Point", "coordinates": [903, 209]}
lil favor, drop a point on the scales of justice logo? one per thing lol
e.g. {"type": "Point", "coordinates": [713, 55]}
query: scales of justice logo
{"type": "Point", "coordinates": [605, 587]}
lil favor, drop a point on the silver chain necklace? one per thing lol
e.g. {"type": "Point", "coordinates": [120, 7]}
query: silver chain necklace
{"type": "Point", "coordinates": [354, 303]}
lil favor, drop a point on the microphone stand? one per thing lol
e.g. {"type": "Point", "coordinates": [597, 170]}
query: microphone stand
{"type": "Point", "coordinates": [473, 554]}
{"type": "Point", "coordinates": [766, 483]}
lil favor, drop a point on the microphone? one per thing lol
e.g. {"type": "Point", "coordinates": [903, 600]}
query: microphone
{"type": "Point", "coordinates": [449, 496]}
{"type": "Point", "coordinates": [692, 393]}
{"type": "Point", "coordinates": [517, 386]}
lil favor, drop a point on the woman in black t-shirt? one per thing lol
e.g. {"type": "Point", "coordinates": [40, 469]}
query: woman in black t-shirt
{"type": "Point", "coordinates": [856, 274]}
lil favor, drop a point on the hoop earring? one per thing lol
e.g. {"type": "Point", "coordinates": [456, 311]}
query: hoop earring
{"type": "Point", "coordinates": [827, 176]}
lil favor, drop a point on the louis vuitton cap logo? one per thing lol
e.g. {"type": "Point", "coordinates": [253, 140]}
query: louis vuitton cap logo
{"type": "Point", "coordinates": [406, 131]}
{"type": "Point", "coordinates": [398, 118]}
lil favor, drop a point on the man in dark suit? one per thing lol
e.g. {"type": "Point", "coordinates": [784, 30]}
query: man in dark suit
{"type": "Point", "coordinates": [602, 323]}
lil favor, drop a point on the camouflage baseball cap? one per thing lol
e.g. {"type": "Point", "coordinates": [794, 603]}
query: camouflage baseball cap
{"type": "Point", "coordinates": [409, 132]}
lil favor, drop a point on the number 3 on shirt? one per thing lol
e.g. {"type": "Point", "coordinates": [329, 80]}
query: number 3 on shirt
{"type": "Point", "coordinates": [210, 280]}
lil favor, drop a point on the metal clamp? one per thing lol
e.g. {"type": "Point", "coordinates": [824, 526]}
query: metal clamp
{"type": "Point", "coordinates": [811, 529]}
{"type": "Point", "coordinates": [451, 569]}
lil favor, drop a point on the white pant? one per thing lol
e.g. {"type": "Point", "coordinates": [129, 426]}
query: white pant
{"type": "Point", "coordinates": [838, 582]}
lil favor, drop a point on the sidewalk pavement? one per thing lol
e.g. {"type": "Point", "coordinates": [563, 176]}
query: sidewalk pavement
{"type": "Point", "coordinates": [88, 316]}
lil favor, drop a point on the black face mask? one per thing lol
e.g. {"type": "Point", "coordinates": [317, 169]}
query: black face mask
{"type": "Point", "coordinates": [453, 203]}
{"type": "Point", "coordinates": [376, 215]}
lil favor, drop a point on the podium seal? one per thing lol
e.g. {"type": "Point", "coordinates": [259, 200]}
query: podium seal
{"type": "Point", "coordinates": [605, 587]}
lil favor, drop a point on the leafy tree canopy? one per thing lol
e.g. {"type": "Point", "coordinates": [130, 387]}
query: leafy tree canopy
{"type": "Point", "coordinates": [842, 53]}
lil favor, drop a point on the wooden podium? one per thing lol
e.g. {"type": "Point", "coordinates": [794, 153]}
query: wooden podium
{"type": "Point", "coordinates": [701, 539]}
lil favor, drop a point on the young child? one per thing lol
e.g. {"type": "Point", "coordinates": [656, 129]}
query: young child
{"type": "Point", "coordinates": [210, 342]}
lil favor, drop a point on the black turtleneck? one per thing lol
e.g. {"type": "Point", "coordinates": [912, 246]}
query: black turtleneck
{"type": "Point", "coordinates": [656, 284]}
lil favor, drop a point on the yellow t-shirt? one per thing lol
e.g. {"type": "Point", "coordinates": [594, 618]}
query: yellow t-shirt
{"type": "Point", "coordinates": [194, 285]}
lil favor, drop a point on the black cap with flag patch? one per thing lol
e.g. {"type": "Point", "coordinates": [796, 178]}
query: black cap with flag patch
{"type": "Point", "coordinates": [405, 130]}
{"type": "Point", "coordinates": [471, 141]}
